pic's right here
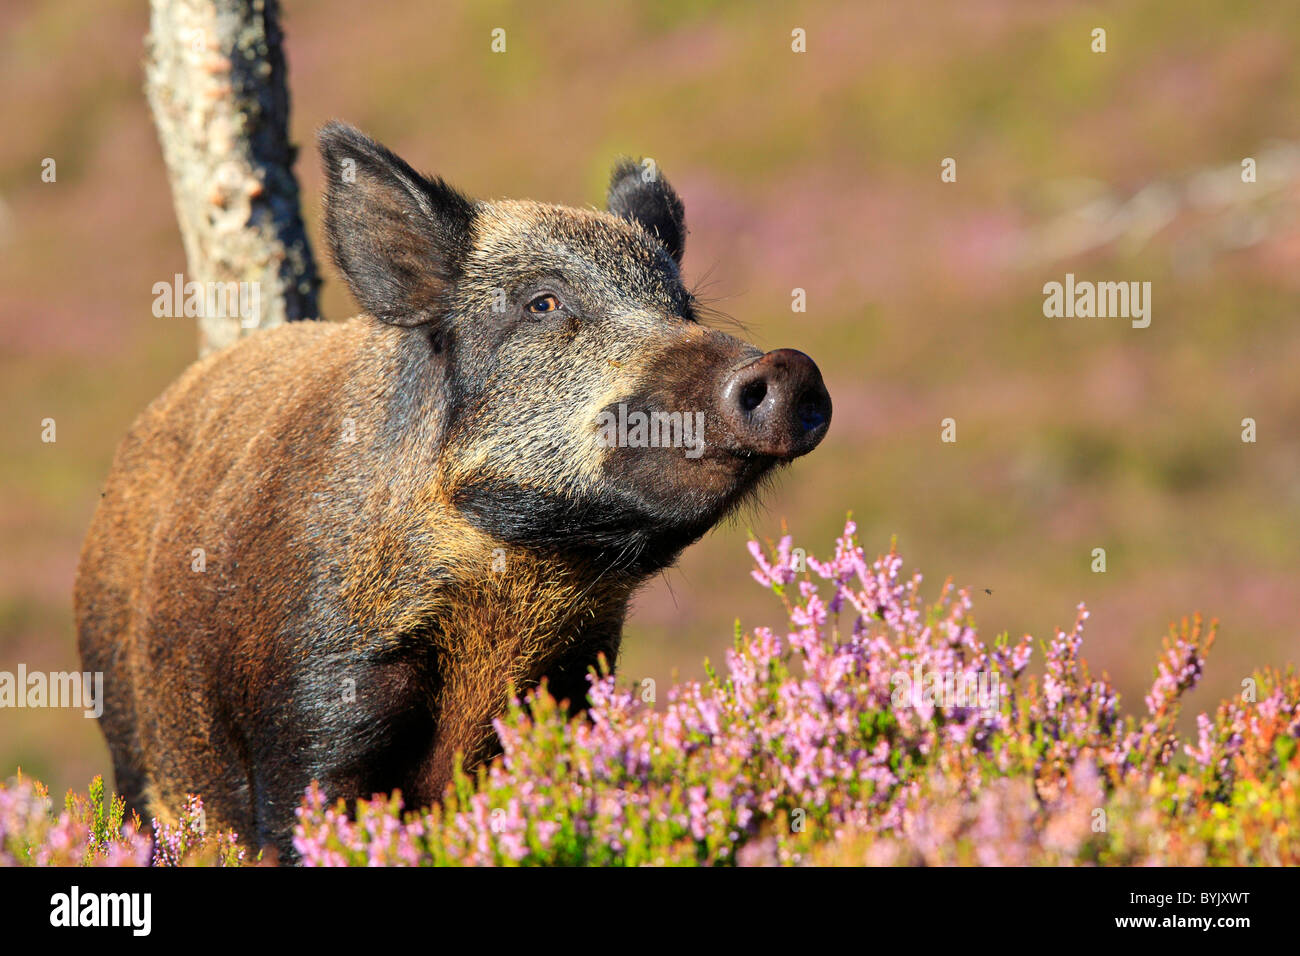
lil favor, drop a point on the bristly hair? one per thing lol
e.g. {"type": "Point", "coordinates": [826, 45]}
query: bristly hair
{"type": "Point", "coordinates": [753, 506]}
{"type": "Point", "coordinates": [704, 307]}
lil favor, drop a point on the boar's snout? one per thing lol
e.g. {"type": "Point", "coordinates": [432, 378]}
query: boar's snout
{"type": "Point", "coordinates": [776, 405]}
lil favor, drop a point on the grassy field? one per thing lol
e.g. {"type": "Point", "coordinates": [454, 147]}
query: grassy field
{"type": "Point", "coordinates": [818, 171]}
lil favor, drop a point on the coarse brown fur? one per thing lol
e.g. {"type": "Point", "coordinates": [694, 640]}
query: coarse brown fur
{"type": "Point", "coordinates": [331, 551]}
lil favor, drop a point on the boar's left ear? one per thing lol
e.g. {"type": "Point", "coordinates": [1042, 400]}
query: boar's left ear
{"type": "Point", "coordinates": [398, 237]}
{"type": "Point", "coordinates": [638, 193]}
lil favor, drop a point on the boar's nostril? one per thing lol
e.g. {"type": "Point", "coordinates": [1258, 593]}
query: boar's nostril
{"type": "Point", "coordinates": [812, 412]}
{"type": "Point", "coordinates": [752, 395]}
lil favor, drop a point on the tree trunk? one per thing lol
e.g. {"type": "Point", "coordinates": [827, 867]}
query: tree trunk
{"type": "Point", "coordinates": [215, 79]}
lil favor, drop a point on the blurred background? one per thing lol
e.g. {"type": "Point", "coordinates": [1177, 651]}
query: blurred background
{"type": "Point", "coordinates": [818, 171]}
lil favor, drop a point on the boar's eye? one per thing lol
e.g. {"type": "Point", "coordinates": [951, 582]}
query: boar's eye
{"type": "Point", "coordinates": [544, 304]}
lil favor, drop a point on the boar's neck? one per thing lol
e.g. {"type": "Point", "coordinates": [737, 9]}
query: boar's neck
{"type": "Point", "coordinates": [489, 620]}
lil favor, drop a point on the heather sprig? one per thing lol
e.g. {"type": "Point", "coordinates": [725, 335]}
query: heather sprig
{"type": "Point", "coordinates": [188, 842]}
{"type": "Point", "coordinates": [91, 831]}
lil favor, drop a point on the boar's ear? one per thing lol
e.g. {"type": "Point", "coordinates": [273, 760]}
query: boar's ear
{"type": "Point", "coordinates": [398, 237]}
{"type": "Point", "coordinates": [638, 193]}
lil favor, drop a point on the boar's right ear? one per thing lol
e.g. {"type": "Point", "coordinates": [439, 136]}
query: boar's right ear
{"type": "Point", "coordinates": [398, 237]}
{"type": "Point", "coordinates": [638, 193]}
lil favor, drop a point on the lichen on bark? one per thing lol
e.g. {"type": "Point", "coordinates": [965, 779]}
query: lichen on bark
{"type": "Point", "coordinates": [216, 84]}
